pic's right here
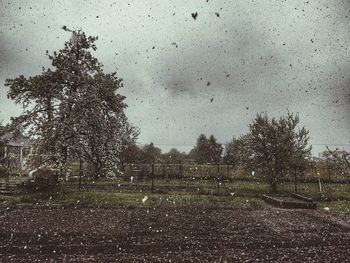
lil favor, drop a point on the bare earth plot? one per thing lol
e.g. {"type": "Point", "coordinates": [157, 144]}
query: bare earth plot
{"type": "Point", "coordinates": [244, 233]}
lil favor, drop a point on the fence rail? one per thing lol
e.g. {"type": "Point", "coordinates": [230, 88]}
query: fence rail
{"type": "Point", "coordinates": [167, 170]}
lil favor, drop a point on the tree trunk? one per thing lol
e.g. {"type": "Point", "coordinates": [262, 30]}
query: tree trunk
{"type": "Point", "coordinates": [122, 166]}
{"type": "Point", "coordinates": [276, 173]}
{"type": "Point", "coordinates": [97, 170]}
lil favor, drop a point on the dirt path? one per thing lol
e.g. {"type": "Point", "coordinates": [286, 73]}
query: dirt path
{"type": "Point", "coordinates": [168, 234]}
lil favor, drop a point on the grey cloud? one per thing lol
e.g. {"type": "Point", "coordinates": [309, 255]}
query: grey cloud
{"type": "Point", "coordinates": [238, 59]}
{"type": "Point", "coordinates": [278, 55]}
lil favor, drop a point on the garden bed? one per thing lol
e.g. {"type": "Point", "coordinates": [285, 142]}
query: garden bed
{"type": "Point", "coordinates": [294, 201]}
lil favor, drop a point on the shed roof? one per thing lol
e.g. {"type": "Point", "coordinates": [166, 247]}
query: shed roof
{"type": "Point", "coordinates": [16, 139]}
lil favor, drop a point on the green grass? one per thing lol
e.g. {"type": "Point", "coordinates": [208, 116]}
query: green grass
{"type": "Point", "coordinates": [336, 206]}
{"type": "Point", "coordinates": [100, 199]}
{"type": "Point", "coordinates": [334, 196]}
{"type": "Point", "coordinates": [330, 191]}
{"type": "Point", "coordinates": [108, 200]}
{"type": "Point", "coordinates": [83, 199]}
{"type": "Point", "coordinates": [14, 179]}
{"type": "Point", "coordinates": [9, 200]}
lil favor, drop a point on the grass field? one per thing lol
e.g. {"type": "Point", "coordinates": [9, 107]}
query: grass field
{"type": "Point", "coordinates": [243, 188]}
{"type": "Point", "coordinates": [118, 192]}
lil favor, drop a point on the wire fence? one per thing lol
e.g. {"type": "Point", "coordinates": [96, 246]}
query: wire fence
{"type": "Point", "coordinates": [316, 182]}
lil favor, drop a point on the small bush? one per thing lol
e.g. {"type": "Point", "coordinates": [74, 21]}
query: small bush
{"type": "Point", "coordinates": [45, 178]}
{"type": "Point", "coordinates": [3, 171]}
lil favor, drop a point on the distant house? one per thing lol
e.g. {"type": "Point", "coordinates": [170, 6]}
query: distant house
{"type": "Point", "coordinates": [317, 159]}
{"type": "Point", "coordinates": [16, 148]}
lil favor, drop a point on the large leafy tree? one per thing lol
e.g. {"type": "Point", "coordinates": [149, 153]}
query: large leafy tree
{"type": "Point", "coordinates": [278, 144]}
{"type": "Point", "coordinates": [207, 150]}
{"type": "Point", "coordinates": [130, 151]}
{"type": "Point", "coordinates": [74, 110]}
{"type": "Point", "coordinates": [201, 150]}
{"type": "Point", "coordinates": [131, 154]}
{"type": "Point", "coordinates": [341, 160]}
{"type": "Point", "coordinates": [237, 152]}
{"type": "Point", "coordinates": [174, 156]}
{"type": "Point", "coordinates": [215, 150]}
{"type": "Point", "coordinates": [151, 153]}
{"type": "Point", "coordinates": [2, 144]}
{"type": "Point", "coordinates": [3, 170]}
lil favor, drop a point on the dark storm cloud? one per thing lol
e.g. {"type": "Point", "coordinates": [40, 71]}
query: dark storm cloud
{"type": "Point", "coordinates": [5, 53]}
{"type": "Point", "coordinates": [340, 73]}
{"type": "Point", "coordinates": [344, 5]}
{"type": "Point", "coordinates": [228, 62]}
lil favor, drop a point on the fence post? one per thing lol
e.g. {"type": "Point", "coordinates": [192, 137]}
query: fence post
{"type": "Point", "coordinates": [152, 175]}
{"type": "Point", "coordinates": [181, 168]}
{"type": "Point", "coordinates": [320, 185]}
{"type": "Point", "coordinates": [218, 176]}
{"type": "Point", "coordinates": [295, 181]}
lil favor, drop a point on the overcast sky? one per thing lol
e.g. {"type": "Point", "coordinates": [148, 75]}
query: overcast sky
{"type": "Point", "coordinates": [210, 75]}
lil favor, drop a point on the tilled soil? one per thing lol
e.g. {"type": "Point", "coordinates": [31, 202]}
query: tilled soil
{"type": "Point", "coordinates": [173, 234]}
